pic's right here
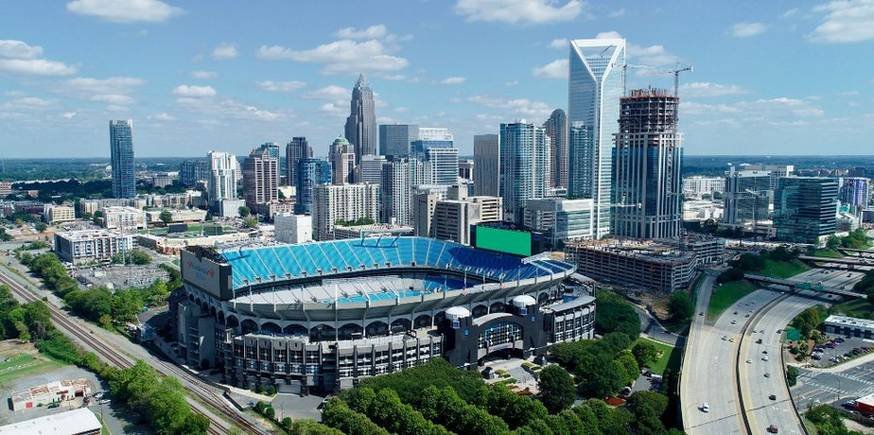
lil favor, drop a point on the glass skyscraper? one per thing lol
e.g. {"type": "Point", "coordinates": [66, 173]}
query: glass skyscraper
{"type": "Point", "coordinates": [395, 139]}
{"type": "Point", "coordinates": [525, 165]}
{"type": "Point", "coordinates": [295, 150]}
{"type": "Point", "coordinates": [310, 172]}
{"type": "Point", "coordinates": [805, 209]}
{"type": "Point", "coordinates": [594, 89]}
{"type": "Point", "coordinates": [361, 123]}
{"type": "Point", "coordinates": [124, 182]}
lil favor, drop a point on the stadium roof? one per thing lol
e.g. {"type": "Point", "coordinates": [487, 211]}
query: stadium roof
{"type": "Point", "coordinates": [286, 262]}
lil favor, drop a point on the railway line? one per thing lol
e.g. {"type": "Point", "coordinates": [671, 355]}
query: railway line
{"type": "Point", "coordinates": [118, 359]}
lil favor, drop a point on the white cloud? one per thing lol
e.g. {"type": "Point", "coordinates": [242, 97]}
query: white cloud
{"type": "Point", "coordinates": [845, 22]}
{"type": "Point", "coordinates": [772, 111]}
{"type": "Point", "coordinates": [511, 83]}
{"type": "Point", "coordinates": [10, 48]}
{"type": "Point", "coordinates": [746, 30]}
{"type": "Point", "coordinates": [281, 86]}
{"type": "Point", "coordinates": [39, 67]}
{"type": "Point", "coordinates": [116, 99]}
{"type": "Point", "coordinates": [193, 91]}
{"type": "Point", "coordinates": [557, 69]}
{"type": "Point", "coordinates": [230, 109]}
{"type": "Point", "coordinates": [377, 31]}
{"type": "Point", "coordinates": [163, 116]}
{"type": "Point", "coordinates": [330, 92]}
{"type": "Point", "coordinates": [453, 80]}
{"type": "Point", "coordinates": [653, 55]}
{"type": "Point", "coordinates": [111, 85]}
{"type": "Point", "coordinates": [68, 115]}
{"type": "Point", "coordinates": [125, 11]}
{"type": "Point", "coordinates": [117, 108]}
{"type": "Point", "coordinates": [204, 75]}
{"type": "Point", "coordinates": [559, 43]}
{"type": "Point", "coordinates": [707, 89]}
{"type": "Point", "coordinates": [27, 103]}
{"type": "Point", "coordinates": [617, 13]}
{"type": "Point", "coordinates": [224, 51]}
{"type": "Point", "coordinates": [518, 11]}
{"type": "Point", "coordinates": [334, 109]}
{"type": "Point", "coordinates": [518, 106]}
{"type": "Point", "coordinates": [343, 56]}
{"type": "Point", "coordinates": [608, 35]}
{"type": "Point", "coordinates": [789, 13]}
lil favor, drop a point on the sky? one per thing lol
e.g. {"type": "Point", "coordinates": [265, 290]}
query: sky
{"type": "Point", "coordinates": [775, 77]}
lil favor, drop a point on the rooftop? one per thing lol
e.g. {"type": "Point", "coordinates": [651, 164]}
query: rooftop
{"type": "Point", "coordinates": [82, 235]}
{"type": "Point", "coordinates": [850, 321]}
{"type": "Point", "coordinates": [80, 420]}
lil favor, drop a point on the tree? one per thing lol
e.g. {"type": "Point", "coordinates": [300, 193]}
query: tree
{"type": "Point", "coordinates": [732, 274]}
{"type": "Point", "coordinates": [615, 314]}
{"type": "Point", "coordinates": [645, 353]}
{"type": "Point", "coordinates": [126, 304]}
{"type": "Point", "coordinates": [710, 226]}
{"type": "Point", "coordinates": [750, 262]}
{"type": "Point", "coordinates": [647, 408]}
{"type": "Point", "coordinates": [557, 390]}
{"type": "Point", "coordinates": [244, 211]}
{"type": "Point", "coordinates": [41, 227]}
{"type": "Point", "coordinates": [833, 242]}
{"type": "Point", "coordinates": [680, 306]}
{"type": "Point", "coordinates": [138, 256]}
{"type": "Point", "coordinates": [4, 237]}
{"type": "Point", "coordinates": [250, 222]}
{"type": "Point", "coordinates": [166, 216]}
{"type": "Point", "coordinates": [514, 409]}
{"type": "Point", "coordinates": [338, 415]}
{"type": "Point", "coordinates": [809, 320]}
{"type": "Point", "coordinates": [791, 375]}
{"type": "Point", "coordinates": [601, 376]}
{"type": "Point", "coordinates": [629, 366]}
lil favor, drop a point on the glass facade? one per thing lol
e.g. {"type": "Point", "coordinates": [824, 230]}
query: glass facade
{"type": "Point", "coordinates": [395, 139]}
{"type": "Point", "coordinates": [310, 172]}
{"type": "Point", "coordinates": [124, 183]}
{"type": "Point", "coordinates": [805, 208]}
{"type": "Point", "coordinates": [525, 162]}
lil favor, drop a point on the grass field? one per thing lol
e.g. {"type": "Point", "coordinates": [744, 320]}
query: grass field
{"type": "Point", "coordinates": [783, 269]}
{"type": "Point", "coordinates": [22, 365]}
{"type": "Point", "coordinates": [667, 354]}
{"type": "Point", "coordinates": [726, 294]}
{"type": "Point", "coordinates": [855, 308]}
{"type": "Point", "coordinates": [828, 253]}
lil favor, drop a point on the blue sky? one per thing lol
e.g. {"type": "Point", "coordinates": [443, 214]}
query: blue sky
{"type": "Point", "coordinates": [769, 77]}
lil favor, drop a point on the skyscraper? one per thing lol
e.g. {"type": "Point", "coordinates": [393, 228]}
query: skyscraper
{"type": "Point", "coordinates": [395, 139]}
{"type": "Point", "coordinates": [396, 190]}
{"type": "Point", "coordinates": [855, 192]}
{"type": "Point", "coordinates": [295, 150]}
{"type": "Point", "coordinates": [748, 195]}
{"type": "Point", "coordinates": [361, 123]}
{"type": "Point", "coordinates": [486, 164]}
{"type": "Point", "coordinates": [192, 171]}
{"type": "Point", "coordinates": [121, 146]}
{"type": "Point", "coordinates": [444, 165]}
{"type": "Point", "coordinates": [524, 167]}
{"type": "Point", "coordinates": [310, 173]}
{"type": "Point", "coordinates": [431, 137]}
{"type": "Point", "coordinates": [342, 159]}
{"type": "Point", "coordinates": [646, 167]}
{"type": "Point", "coordinates": [557, 130]}
{"type": "Point", "coordinates": [348, 202]}
{"type": "Point", "coordinates": [222, 181]}
{"type": "Point", "coordinates": [805, 209]}
{"type": "Point", "coordinates": [261, 178]}
{"type": "Point", "coordinates": [594, 88]}
{"type": "Point", "coordinates": [369, 170]}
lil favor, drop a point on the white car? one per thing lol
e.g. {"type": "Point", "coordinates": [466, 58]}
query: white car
{"type": "Point", "coordinates": [705, 407]}
{"type": "Point", "coordinates": [765, 358]}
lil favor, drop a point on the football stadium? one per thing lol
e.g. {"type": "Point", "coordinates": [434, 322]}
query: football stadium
{"type": "Point", "coordinates": [320, 316]}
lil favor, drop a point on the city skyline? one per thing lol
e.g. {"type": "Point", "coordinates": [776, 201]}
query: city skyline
{"type": "Point", "coordinates": [232, 89]}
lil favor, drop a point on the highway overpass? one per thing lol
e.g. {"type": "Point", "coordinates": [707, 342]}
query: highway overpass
{"type": "Point", "coordinates": [802, 285]}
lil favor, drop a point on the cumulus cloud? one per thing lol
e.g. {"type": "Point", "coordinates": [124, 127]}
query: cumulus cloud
{"type": "Point", "coordinates": [225, 51]}
{"type": "Point", "coordinates": [453, 80]}
{"type": "Point", "coordinates": [38, 67]}
{"type": "Point", "coordinates": [163, 116]}
{"type": "Point", "coordinates": [343, 56]}
{"type": "Point", "coordinates": [13, 49]}
{"type": "Point", "coordinates": [519, 11]}
{"type": "Point", "coordinates": [377, 31]}
{"type": "Point", "coordinates": [125, 11]}
{"type": "Point", "coordinates": [280, 86]}
{"type": "Point", "coordinates": [559, 43]}
{"type": "Point", "coordinates": [111, 85]}
{"type": "Point", "coordinates": [116, 99]}
{"type": "Point", "coordinates": [517, 106]}
{"type": "Point", "coordinates": [707, 89]}
{"type": "Point", "coordinates": [608, 35]}
{"type": "Point", "coordinates": [68, 115]}
{"type": "Point", "coordinates": [845, 22]}
{"type": "Point", "coordinates": [228, 108]}
{"type": "Point", "coordinates": [204, 75]}
{"type": "Point", "coordinates": [27, 103]}
{"type": "Point", "coordinates": [746, 30]}
{"type": "Point", "coordinates": [557, 69]}
{"type": "Point", "coordinates": [330, 92]}
{"type": "Point", "coordinates": [771, 111]}
{"type": "Point", "coordinates": [193, 91]}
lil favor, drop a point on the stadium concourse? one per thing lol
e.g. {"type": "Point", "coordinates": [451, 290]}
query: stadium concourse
{"type": "Point", "coordinates": [320, 316]}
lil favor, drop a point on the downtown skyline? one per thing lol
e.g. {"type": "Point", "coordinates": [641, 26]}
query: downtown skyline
{"type": "Point", "coordinates": [763, 80]}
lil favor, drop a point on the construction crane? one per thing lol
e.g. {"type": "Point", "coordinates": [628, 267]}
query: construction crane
{"type": "Point", "coordinates": [625, 72]}
{"type": "Point", "coordinates": [676, 72]}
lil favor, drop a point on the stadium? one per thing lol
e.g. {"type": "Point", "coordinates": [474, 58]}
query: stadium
{"type": "Point", "coordinates": [320, 316]}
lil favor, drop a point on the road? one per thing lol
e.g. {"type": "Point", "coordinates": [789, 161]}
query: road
{"type": "Point", "coordinates": [709, 365]}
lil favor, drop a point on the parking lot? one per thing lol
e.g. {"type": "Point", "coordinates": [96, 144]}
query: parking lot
{"type": "Point", "coordinates": [820, 387]}
{"type": "Point", "coordinates": [838, 350]}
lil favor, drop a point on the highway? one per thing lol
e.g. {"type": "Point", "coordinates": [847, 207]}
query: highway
{"type": "Point", "coordinates": [108, 347]}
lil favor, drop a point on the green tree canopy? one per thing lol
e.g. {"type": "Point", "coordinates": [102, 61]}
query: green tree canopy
{"type": "Point", "coordinates": [557, 389]}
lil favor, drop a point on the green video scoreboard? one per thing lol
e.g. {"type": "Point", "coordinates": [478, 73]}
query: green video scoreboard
{"type": "Point", "coordinates": [503, 240]}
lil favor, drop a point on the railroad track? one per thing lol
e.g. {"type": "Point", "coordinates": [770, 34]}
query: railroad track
{"type": "Point", "coordinates": [120, 360]}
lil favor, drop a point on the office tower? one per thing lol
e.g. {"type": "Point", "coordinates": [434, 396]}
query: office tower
{"type": "Point", "coordinates": [395, 139]}
{"type": "Point", "coordinates": [486, 164]}
{"type": "Point", "coordinates": [646, 167]}
{"type": "Point", "coordinates": [361, 123]}
{"type": "Point", "coordinates": [748, 196]}
{"type": "Point", "coordinates": [270, 148]}
{"type": "Point", "coordinates": [431, 137]}
{"type": "Point", "coordinates": [398, 179]}
{"type": "Point", "coordinates": [465, 169]}
{"type": "Point", "coordinates": [121, 146]}
{"type": "Point", "coordinates": [444, 165]}
{"type": "Point", "coordinates": [594, 88]}
{"type": "Point", "coordinates": [310, 173]}
{"type": "Point", "coordinates": [805, 209]}
{"type": "Point", "coordinates": [350, 202]}
{"type": "Point", "coordinates": [193, 171]}
{"type": "Point", "coordinates": [260, 178]}
{"type": "Point", "coordinates": [557, 130]}
{"type": "Point", "coordinates": [524, 167]}
{"type": "Point", "coordinates": [342, 159]}
{"type": "Point", "coordinates": [697, 186]}
{"type": "Point", "coordinates": [560, 220]}
{"type": "Point", "coordinates": [855, 192]}
{"type": "Point", "coordinates": [369, 170]}
{"type": "Point", "coordinates": [222, 181]}
{"type": "Point", "coordinates": [581, 165]}
{"type": "Point", "coordinates": [295, 150]}
{"type": "Point", "coordinates": [424, 203]}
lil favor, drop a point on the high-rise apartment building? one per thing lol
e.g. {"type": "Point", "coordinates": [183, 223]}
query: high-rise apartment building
{"type": "Point", "coordinates": [697, 186]}
{"type": "Point", "coordinates": [855, 192]}
{"type": "Point", "coordinates": [524, 172]}
{"type": "Point", "coordinates": [295, 150]}
{"type": "Point", "coordinates": [646, 167]}
{"type": "Point", "coordinates": [222, 179]}
{"type": "Point", "coordinates": [748, 196]}
{"type": "Point", "coordinates": [444, 165]}
{"type": "Point", "coordinates": [342, 159]}
{"type": "Point", "coordinates": [805, 209]}
{"type": "Point", "coordinates": [121, 146]}
{"type": "Point", "coordinates": [557, 130]}
{"type": "Point", "coordinates": [486, 164]}
{"type": "Point", "coordinates": [361, 123]}
{"type": "Point", "coordinates": [395, 139]}
{"type": "Point", "coordinates": [260, 178]}
{"type": "Point", "coordinates": [594, 89]}
{"type": "Point", "coordinates": [193, 171]}
{"type": "Point", "coordinates": [396, 190]}
{"type": "Point", "coordinates": [310, 173]}
{"type": "Point", "coordinates": [348, 202]}
{"type": "Point", "coordinates": [450, 215]}
{"type": "Point", "coordinates": [369, 169]}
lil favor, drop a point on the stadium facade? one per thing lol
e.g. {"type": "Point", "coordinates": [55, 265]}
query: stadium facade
{"type": "Point", "coordinates": [321, 316]}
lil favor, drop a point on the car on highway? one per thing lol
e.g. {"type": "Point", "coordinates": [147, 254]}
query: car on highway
{"type": "Point", "coordinates": [773, 429]}
{"type": "Point", "coordinates": [765, 358]}
{"type": "Point", "coordinates": [734, 322]}
{"type": "Point", "coordinates": [749, 361]}
{"type": "Point", "coordinates": [705, 407]}
{"type": "Point", "coordinates": [759, 341]}
{"type": "Point", "coordinates": [767, 375]}
{"type": "Point", "coordinates": [773, 397]}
